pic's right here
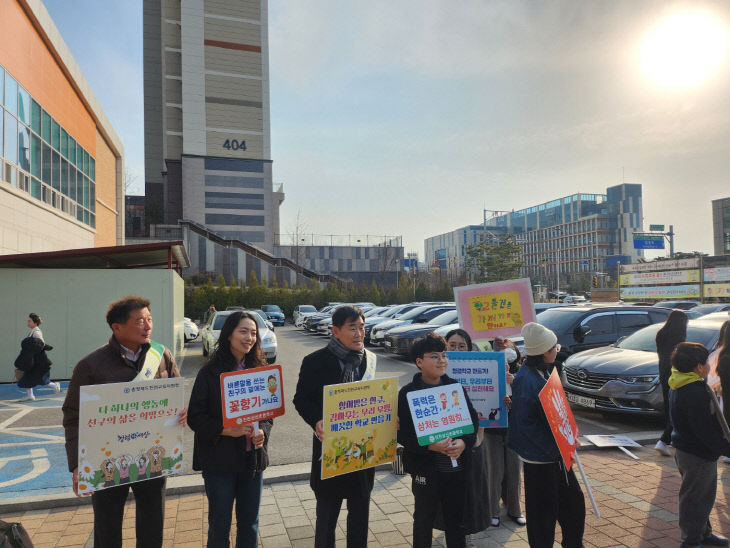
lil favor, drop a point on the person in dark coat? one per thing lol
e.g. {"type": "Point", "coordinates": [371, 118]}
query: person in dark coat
{"type": "Point", "coordinates": [232, 459]}
{"type": "Point", "coordinates": [670, 335]}
{"type": "Point", "coordinates": [436, 480]}
{"type": "Point", "coordinates": [723, 371]}
{"type": "Point", "coordinates": [33, 361]}
{"type": "Point", "coordinates": [344, 359]}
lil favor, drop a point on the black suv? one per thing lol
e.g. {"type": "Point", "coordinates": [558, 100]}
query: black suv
{"type": "Point", "coordinates": [583, 327]}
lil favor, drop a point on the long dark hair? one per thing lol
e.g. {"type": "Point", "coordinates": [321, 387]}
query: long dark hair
{"type": "Point", "coordinates": [463, 334]}
{"type": "Point", "coordinates": [723, 345]}
{"type": "Point", "coordinates": [223, 354]}
{"type": "Point", "coordinates": [674, 330]}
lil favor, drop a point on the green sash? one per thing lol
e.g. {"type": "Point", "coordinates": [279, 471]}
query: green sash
{"type": "Point", "coordinates": [152, 361]}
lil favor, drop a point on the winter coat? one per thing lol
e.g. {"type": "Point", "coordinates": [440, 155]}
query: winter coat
{"type": "Point", "coordinates": [696, 429]}
{"type": "Point", "coordinates": [419, 459]}
{"type": "Point", "coordinates": [529, 434]}
{"type": "Point", "coordinates": [213, 452]}
{"type": "Point", "coordinates": [318, 370]}
{"type": "Point", "coordinates": [104, 365]}
{"type": "Point", "coordinates": [33, 362]}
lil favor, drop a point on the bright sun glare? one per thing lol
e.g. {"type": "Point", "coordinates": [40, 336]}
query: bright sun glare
{"type": "Point", "coordinates": [684, 49]}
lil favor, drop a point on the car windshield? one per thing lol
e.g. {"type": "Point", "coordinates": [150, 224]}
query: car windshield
{"type": "Point", "coordinates": [706, 308]}
{"type": "Point", "coordinates": [560, 320]}
{"type": "Point", "coordinates": [445, 319]}
{"type": "Point", "coordinates": [307, 308]}
{"type": "Point", "coordinates": [374, 312]}
{"type": "Point", "coordinates": [270, 308]}
{"type": "Point", "coordinates": [413, 313]}
{"type": "Point", "coordinates": [645, 339]}
{"type": "Point", "coordinates": [220, 319]}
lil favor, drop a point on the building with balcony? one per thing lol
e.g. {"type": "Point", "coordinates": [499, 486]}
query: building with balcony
{"type": "Point", "coordinates": [61, 162]}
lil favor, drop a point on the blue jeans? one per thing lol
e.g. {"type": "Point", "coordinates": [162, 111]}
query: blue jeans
{"type": "Point", "coordinates": [222, 490]}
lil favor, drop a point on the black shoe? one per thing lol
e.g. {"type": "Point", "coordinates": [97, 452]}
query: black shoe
{"type": "Point", "coordinates": [715, 540]}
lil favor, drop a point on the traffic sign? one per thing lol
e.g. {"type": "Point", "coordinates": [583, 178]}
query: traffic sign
{"type": "Point", "coordinates": [656, 228]}
{"type": "Point", "coordinates": [648, 241]}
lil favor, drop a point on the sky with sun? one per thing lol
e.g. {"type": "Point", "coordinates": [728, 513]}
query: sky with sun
{"type": "Point", "coordinates": [411, 117]}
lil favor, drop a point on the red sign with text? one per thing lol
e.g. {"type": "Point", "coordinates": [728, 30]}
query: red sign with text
{"type": "Point", "coordinates": [560, 417]}
{"type": "Point", "coordinates": [251, 395]}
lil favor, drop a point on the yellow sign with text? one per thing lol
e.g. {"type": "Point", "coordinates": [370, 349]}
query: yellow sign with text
{"type": "Point", "coordinates": [359, 425]}
{"type": "Point", "coordinates": [495, 311]}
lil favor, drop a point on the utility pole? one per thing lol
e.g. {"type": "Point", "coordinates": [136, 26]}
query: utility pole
{"type": "Point", "coordinates": [670, 234]}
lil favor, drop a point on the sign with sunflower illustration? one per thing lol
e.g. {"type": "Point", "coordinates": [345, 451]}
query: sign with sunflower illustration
{"type": "Point", "coordinates": [129, 432]}
{"type": "Point", "coordinates": [359, 425]}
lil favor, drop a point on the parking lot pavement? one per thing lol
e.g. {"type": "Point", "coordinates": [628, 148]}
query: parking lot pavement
{"type": "Point", "coordinates": [32, 456]}
{"type": "Point", "coordinates": [637, 500]}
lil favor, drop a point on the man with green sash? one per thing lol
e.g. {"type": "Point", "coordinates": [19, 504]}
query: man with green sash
{"type": "Point", "coordinates": [129, 355]}
{"type": "Point", "coordinates": [343, 360]}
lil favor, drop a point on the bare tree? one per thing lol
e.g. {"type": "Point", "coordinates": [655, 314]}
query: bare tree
{"type": "Point", "coordinates": [297, 233]}
{"type": "Point", "coordinates": [130, 179]}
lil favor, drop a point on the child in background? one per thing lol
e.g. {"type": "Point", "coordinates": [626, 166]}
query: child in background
{"type": "Point", "coordinates": [435, 479]}
{"type": "Point", "coordinates": [698, 441]}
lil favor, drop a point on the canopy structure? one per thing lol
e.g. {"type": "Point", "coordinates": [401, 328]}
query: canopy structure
{"type": "Point", "coordinates": [170, 255]}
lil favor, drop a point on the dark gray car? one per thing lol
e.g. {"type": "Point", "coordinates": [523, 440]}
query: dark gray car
{"type": "Point", "coordinates": [625, 377]}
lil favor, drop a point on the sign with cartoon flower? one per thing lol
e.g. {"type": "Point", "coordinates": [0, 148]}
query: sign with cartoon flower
{"type": "Point", "coordinates": [560, 417]}
{"type": "Point", "coordinates": [252, 395]}
{"type": "Point", "coordinates": [492, 309]}
{"type": "Point", "coordinates": [129, 432]}
{"type": "Point", "coordinates": [359, 425]}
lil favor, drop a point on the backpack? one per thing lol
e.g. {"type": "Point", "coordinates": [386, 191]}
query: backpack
{"type": "Point", "coordinates": [14, 535]}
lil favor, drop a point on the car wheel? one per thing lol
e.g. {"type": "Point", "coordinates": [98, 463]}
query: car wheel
{"type": "Point", "coordinates": [205, 350]}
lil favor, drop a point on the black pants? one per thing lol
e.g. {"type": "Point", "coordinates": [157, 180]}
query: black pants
{"type": "Point", "coordinates": [667, 433]}
{"type": "Point", "coordinates": [444, 489]}
{"type": "Point", "coordinates": [149, 497]}
{"type": "Point", "coordinates": [328, 510]}
{"type": "Point", "coordinates": [553, 496]}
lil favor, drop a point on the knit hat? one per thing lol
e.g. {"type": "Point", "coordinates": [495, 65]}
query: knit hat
{"type": "Point", "coordinates": [538, 339]}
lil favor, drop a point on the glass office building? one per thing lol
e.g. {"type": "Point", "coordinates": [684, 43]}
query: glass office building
{"type": "Point", "coordinates": [721, 226]}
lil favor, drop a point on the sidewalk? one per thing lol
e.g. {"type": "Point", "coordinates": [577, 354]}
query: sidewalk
{"type": "Point", "coordinates": [637, 501]}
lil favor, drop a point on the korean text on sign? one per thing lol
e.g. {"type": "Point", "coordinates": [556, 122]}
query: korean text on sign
{"type": "Point", "coordinates": [251, 395]}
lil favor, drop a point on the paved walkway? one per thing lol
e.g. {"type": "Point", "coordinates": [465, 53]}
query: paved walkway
{"type": "Point", "coordinates": [637, 501]}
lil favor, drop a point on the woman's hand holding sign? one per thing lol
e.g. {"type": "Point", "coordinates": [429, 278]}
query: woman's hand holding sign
{"type": "Point", "coordinates": [450, 448]}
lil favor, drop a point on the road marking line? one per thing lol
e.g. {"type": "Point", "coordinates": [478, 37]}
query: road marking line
{"type": "Point", "coordinates": [29, 443]}
{"type": "Point", "coordinates": [34, 454]}
{"type": "Point", "coordinates": [40, 466]}
{"type": "Point", "coordinates": [21, 432]}
{"type": "Point", "coordinates": [24, 411]}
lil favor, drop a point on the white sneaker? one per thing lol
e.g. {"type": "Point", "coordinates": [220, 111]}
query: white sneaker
{"type": "Point", "coordinates": [663, 448]}
{"type": "Point", "coordinates": [56, 388]}
{"type": "Point", "coordinates": [27, 398]}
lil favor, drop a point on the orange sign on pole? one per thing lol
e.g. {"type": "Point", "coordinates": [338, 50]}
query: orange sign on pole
{"type": "Point", "coordinates": [560, 417]}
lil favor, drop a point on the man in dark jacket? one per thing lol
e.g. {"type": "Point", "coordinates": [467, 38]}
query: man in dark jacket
{"type": "Point", "coordinates": [698, 440]}
{"type": "Point", "coordinates": [343, 360]}
{"type": "Point", "coordinates": [436, 480]}
{"type": "Point", "coordinates": [122, 359]}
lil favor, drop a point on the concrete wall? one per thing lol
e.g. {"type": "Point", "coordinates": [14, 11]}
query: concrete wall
{"type": "Point", "coordinates": [73, 304]}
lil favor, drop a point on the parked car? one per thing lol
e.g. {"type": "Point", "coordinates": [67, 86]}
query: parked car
{"type": "Point", "coordinates": [574, 299]}
{"type": "Point", "coordinates": [310, 321]}
{"type": "Point", "coordinates": [261, 313]}
{"type": "Point", "coordinates": [420, 314]}
{"type": "Point", "coordinates": [399, 340]}
{"type": "Point", "coordinates": [682, 305]}
{"type": "Point", "coordinates": [301, 311]}
{"type": "Point", "coordinates": [324, 327]}
{"type": "Point", "coordinates": [542, 307]}
{"type": "Point", "coordinates": [389, 313]}
{"type": "Point", "coordinates": [273, 313]}
{"type": "Point", "coordinates": [625, 377]}
{"type": "Point", "coordinates": [709, 308]}
{"type": "Point", "coordinates": [212, 331]}
{"type": "Point", "coordinates": [591, 326]}
{"type": "Point", "coordinates": [191, 330]}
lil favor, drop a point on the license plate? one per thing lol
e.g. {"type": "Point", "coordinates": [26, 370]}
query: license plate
{"type": "Point", "coordinates": [581, 400]}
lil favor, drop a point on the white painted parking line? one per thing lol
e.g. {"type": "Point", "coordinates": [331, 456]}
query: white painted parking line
{"type": "Point", "coordinates": [22, 412]}
{"type": "Point", "coordinates": [39, 461]}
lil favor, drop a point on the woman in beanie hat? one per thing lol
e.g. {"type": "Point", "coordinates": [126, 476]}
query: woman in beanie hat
{"type": "Point", "coordinates": [552, 493]}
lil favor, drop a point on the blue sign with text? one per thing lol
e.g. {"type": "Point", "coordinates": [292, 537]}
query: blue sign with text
{"type": "Point", "coordinates": [646, 241]}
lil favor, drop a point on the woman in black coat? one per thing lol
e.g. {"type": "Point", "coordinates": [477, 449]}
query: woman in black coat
{"type": "Point", "coordinates": [232, 459]}
{"type": "Point", "coordinates": [723, 370]}
{"type": "Point", "coordinates": [670, 335]}
{"type": "Point", "coordinates": [33, 361]}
